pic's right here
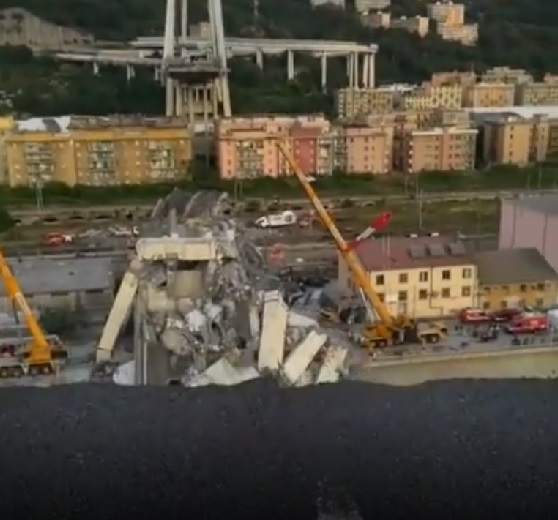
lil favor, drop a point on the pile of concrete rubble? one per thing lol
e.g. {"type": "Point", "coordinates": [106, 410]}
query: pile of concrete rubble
{"type": "Point", "coordinates": [208, 311]}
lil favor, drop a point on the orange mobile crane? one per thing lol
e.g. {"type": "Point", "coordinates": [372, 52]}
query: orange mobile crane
{"type": "Point", "coordinates": [39, 356]}
{"type": "Point", "coordinates": [388, 329]}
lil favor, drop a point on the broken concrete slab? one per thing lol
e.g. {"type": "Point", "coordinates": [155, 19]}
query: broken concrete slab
{"type": "Point", "coordinates": [272, 335]}
{"type": "Point", "coordinates": [332, 365]}
{"type": "Point", "coordinates": [301, 357]}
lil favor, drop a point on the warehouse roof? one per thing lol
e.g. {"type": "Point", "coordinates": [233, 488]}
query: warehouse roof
{"type": "Point", "coordinates": [513, 266]}
{"type": "Point", "coordinates": [393, 253]}
{"type": "Point", "coordinates": [42, 275]}
{"type": "Point", "coordinates": [547, 204]}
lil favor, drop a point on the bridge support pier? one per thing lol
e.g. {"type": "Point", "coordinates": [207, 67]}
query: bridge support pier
{"type": "Point", "coordinates": [196, 103]}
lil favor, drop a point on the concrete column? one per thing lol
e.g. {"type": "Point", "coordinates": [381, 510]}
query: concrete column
{"type": "Point", "coordinates": [372, 70]}
{"type": "Point", "coordinates": [290, 65]}
{"type": "Point", "coordinates": [355, 69]}
{"type": "Point", "coordinates": [179, 99]}
{"type": "Point", "coordinates": [130, 72]}
{"type": "Point", "coordinates": [191, 112]}
{"type": "Point", "coordinates": [95, 69]}
{"type": "Point", "coordinates": [323, 68]}
{"type": "Point", "coordinates": [169, 101]}
{"type": "Point", "coordinates": [259, 59]}
{"type": "Point", "coordinates": [184, 20]}
{"type": "Point", "coordinates": [350, 69]}
{"type": "Point", "coordinates": [365, 71]}
{"type": "Point", "coordinates": [157, 74]}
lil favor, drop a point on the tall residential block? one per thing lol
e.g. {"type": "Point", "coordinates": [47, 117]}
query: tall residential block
{"type": "Point", "coordinates": [246, 146]}
{"type": "Point", "coordinates": [466, 34]}
{"type": "Point", "coordinates": [511, 139]}
{"type": "Point", "coordinates": [506, 75]}
{"type": "Point", "coordinates": [354, 102]}
{"type": "Point", "coordinates": [440, 79]}
{"type": "Point", "coordinates": [540, 93]}
{"type": "Point", "coordinates": [446, 13]}
{"type": "Point", "coordinates": [98, 151]}
{"type": "Point", "coordinates": [415, 24]}
{"type": "Point", "coordinates": [489, 95]}
{"type": "Point", "coordinates": [440, 149]}
{"type": "Point", "coordinates": [369, 148]}
{"type": "Point", "coordinates": [429, 97]}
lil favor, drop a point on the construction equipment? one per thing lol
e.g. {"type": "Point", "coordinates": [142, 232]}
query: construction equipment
{"type": "Point", "coordinates": [387, 329]}
{"type": "Point", "coordinates": [39, 356]}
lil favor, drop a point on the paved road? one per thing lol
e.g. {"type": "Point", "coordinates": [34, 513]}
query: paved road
{"type": "Point", "coordinates": [59, 211]}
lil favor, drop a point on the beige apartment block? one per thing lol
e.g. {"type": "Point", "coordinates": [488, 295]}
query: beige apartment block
{"type": "Point", "coordinates": [429, 97]}
{"type": "Point", "coordinates": [421, 277]}
{"type": "Point", "coordinates": [446, 13]}
{"type": "Point", "coordinates": [506, 75]}
{"type": "Point", "coordinates": [98, 151]}
{"type": "Point", "coordinates": [439, 149]}
{"type": "Point", "coordinates": [511, 139]}
{"type": "Point", "coordinates": [377, 20]}
{"type": "Point", "coordinates": [355, 102]}
{"type": "Point", "coordinates": [441, 79]}
{"type": "Point", "coordinates": [416, 25]}
{"type": "Point", "coordinates": [543, 93]}
{"type": "Point", "coordinates": [552, 151]}
{"type": "Point", "coordinates": [369, 149]}
{"type": "Point", "coordinates": [466, 34]}
{"type": "Point", "coordinates": [246, 146]}
{"type": "Point", "coordinates": [489, 95]}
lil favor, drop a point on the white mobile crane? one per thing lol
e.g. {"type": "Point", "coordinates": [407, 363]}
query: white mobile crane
{"type": "Point", "coordinates": [40, 356]}
{"type": "Point", "coordinates": [387, 329]}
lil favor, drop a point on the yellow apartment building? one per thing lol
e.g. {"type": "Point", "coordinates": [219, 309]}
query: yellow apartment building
{"type": "Point", "coordinates": [541, 93]}
{"type": "Point", "coordinates": [466, 34]}
{"type": "Point", "coordinates": [506, 75]}
{"type": "Point", "coordinates": [489, 95]}
{"type": "Point", "coordinates": [446, 13]}
{"type": "Point", "coordinates": [97, 151]}
{"type": "Point", "coordinates": [512, 139]}
{"type": "Point", "coordinates": [439, 149]}
{"type": "Point", "coordinates": [6, 126]}
{"type": "Point", "coordinates": [354, 102]}
{"type": "Point", "coordinates": [246, 146]}
{"type": "Point", "coordinates": [429, 97]}
{"type": "Point", "coordinates": [423, 277]}
{"type": "Point", "coordinates": [440, 79]}
{"type": "Point", "coordinates": [552, 151]}
{"type": "Point", "coordinates": [369, 148]}
{"type": "Point", "coordinates": [415, 25]}
{"type": "Point", "coordinates": [509, 278]}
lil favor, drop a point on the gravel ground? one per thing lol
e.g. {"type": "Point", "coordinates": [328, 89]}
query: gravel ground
{"type": "Point", "coordinates": [254, 451]}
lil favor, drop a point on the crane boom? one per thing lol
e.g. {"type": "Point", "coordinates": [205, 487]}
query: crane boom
{"type": "Point", "coordinates": [14, 292]}
{"type": "Point", "coordinates": [352, 261]}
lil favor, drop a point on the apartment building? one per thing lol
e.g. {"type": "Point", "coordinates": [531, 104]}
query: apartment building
{"type": "Point", "coordinates": [355, 102]}
{"type": "Point", "coordinates": [6, 126]}
{"type": "Point", "coordinates": [364, 6]}
{"type": "Point", "coordinates": [511, 278]}
{"type": "Point", "coordinates": [97, 151]}
{"type": "Point", "coordinates": [429, 97]}
{"type": "Point", "coordinates": [512, 139]}
{"type": "Point", "coordinates": [552, 150]}
{"type": "Point", "coordinates": [506, 75]}
{"type": "Point", "coordinates": [446, 13]}
{"type": "Point", "coordinates": [539, 93]}
{"type": "Point", "coordinates": [246, 146]}
{"type": "Point", "coordinates": [440, 149]}
{"type": "Point", "coordinates": [489, 95]}
{"type": "Point", "coordinates": [422, 277]}
{"type": "Point", "coordinates": [466, 34]}
{"type": "Point", "coordinates": [377, 20]}
{"type": "Point", "coordinates": [369, 148]}
{"type": "Point", "coordinates": [441, 79]}
{"type": "Point", "coordinates": [415, 25]}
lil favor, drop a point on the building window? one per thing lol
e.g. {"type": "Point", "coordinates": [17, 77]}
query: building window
{"type": "Point", "coordinates": [403, 277]}
{"type": "Point", "coordinates": [523, 288]}
{"type": "Point", "coordinates": [467, 273]}
{"type": "Point", "coordinates": [423, 276]}
{"type": "Point", "coordinates": [446, 293]}
{"type": "Point", "coordinates": [540, 287]}
{"type": "Point", "coordinates": [503, 304]}
{"type": "Point", "coordinates": [402, 296]}
{"type": "Point", "coordinates": [381, 296]}
{"type": "Point", "coordinates": [539, 302]}
{"type": "Point", "coordinates": [465, 291]}
{"type": "Point", "coordinates": [446, 274]}
{"type": "Point", "coordinates": [423, 294]}
{"type": "Point", "coordinates": [486, 306]}
{"type": "Point", "coordinates": [380, 279]}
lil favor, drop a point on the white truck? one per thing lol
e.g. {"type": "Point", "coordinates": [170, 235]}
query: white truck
{"type": "Point", "coordinates": [286, 218]}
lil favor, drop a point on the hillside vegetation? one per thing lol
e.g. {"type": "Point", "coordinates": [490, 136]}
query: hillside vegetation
{"type": "Point", "coordinates": [518, 33]}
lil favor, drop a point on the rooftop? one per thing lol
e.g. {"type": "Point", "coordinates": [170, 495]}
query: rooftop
{"type": "Point", "coordinates": [393, 253]}
{"type": "Point", "coordinates": [526, 111]}
{"type": "Point", "coordinates": [40, 275]}
{"type": "Point", "coordinates": [547, 204]}
{"type": "Point", "coordinates": [513, 266]}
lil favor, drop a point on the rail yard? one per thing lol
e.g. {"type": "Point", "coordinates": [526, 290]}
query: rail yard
{"type": "Point", "coordinates": [200, 290]}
